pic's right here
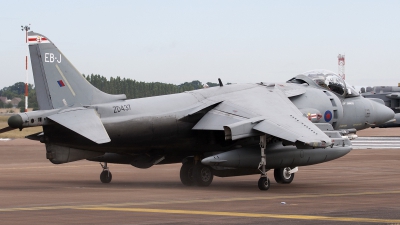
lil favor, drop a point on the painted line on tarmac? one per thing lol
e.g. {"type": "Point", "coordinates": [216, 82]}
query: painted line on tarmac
{"type": "Point", "coordinates": [381, 147]}
{"type": "Point", "coordinates": [252, 215]}
{"type": "Point", "coordinates": [5, 139]}
{"type": "Point", "coordinates": [376, 143]}
{"type": "Point", "coordinates": [378, 138]}
{"type": "Point", "coordinates": [280, 197]}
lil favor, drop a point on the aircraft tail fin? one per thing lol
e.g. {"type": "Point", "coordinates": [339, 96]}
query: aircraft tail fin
{"type": "Point", "coordinates": [57, 82]}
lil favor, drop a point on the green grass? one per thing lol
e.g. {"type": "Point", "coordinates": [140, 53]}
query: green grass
{"type": "Point", "coordinates": [17, 133]}
{"type": "Point", "coordinates": [3, 119]}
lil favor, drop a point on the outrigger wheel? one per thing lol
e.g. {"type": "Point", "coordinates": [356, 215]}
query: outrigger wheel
{"type": "Point", "coordinates": [105, 176]}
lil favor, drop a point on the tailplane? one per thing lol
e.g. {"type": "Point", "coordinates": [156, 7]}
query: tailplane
{"type": "Point", "coordinates": [57, 82]}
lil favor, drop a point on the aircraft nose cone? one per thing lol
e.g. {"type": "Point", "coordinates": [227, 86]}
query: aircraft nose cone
{"type": "Point", "coordinates": [382, 113]}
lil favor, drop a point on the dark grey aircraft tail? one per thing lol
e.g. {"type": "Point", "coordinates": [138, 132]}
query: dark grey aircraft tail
{"type": "Point", "coordinates": [57, 82]}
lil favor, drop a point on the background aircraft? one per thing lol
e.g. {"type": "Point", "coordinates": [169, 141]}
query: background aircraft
{"type": "Point", "coordinates": [390, 95]}
{"type": "Point", "coordinates": [224, 131]}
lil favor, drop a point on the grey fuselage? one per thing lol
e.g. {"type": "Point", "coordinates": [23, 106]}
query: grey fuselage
{"type": "Point", "coordinates": [390, 95]}
{"type": "Point", "coordinates": [154, 125]}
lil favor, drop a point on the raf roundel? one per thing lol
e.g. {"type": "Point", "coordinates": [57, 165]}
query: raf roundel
{"type": "Point", "coordinates": [328, 116]}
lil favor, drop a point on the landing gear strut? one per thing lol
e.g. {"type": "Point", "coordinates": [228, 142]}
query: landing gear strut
{"type": "Point", "coordinates": [105, 176]}
{"type": "Point", "coordinates": [263, 182]}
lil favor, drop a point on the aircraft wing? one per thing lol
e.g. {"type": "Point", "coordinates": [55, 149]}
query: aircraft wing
{"type": "Point", "coordinates": [83, 121]}
{"type": "Point", "coordinates": [264, 109]}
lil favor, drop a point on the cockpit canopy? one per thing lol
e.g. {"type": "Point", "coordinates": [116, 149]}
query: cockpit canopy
{"type": "Point", "coordinates": [331, 81]}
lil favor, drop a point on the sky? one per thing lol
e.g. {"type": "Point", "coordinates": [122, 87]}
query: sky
{"type": "Point", "coordinates": [237, 41]}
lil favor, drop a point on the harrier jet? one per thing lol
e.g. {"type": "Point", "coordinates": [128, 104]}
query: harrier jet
{"type": "Point", "coordinates": [390, 96]}
{"type": "Point", "coordinates": [229, 130]}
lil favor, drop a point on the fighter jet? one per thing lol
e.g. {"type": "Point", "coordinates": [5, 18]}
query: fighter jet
{"type": "Point", "coordinates": [229, 130]}
{"type": "Point", "coordinates": [389, 95]}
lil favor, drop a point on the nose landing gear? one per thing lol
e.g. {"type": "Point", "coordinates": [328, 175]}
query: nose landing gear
{"type": "Point", "coordinates": [105, 176]}
{"type": "Point", "coordinates": [263, 182]}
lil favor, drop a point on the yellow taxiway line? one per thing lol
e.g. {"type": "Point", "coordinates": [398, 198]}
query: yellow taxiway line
{"type": "Point", "coordinates": [119, 207]}
{"type": "Point", "coordinates": [191, 201]}
{"type": "Point", "coordinates": [252, 215]}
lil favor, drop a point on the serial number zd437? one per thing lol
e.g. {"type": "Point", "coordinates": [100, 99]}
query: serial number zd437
{"type": "Point", "coordinates": [121, 108]}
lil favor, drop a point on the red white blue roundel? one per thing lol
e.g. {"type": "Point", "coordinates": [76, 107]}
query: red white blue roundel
{"type": "Point", "coordinates": [328, 116]}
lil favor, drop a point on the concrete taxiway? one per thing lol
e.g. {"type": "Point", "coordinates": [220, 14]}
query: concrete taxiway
{"type": "Point", "coordinates": [361, 187]}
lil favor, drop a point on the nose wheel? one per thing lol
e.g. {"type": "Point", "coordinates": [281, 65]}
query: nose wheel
{"type": "Point", "coordinates": [264, 183]}
{"type": "Point", "coordinates": [105, 176]}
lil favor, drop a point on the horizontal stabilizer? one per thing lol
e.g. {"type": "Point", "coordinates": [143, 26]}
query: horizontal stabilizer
{"type": "Point", "coordinates": [85, 122]}
{"type": "Point", "coordinates": [6, 129]}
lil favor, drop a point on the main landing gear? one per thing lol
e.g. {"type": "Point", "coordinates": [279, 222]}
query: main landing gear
{"type": "Point", "coordinates": [105, 176]}
{"type": "Point", "coordinates": [194, 173]}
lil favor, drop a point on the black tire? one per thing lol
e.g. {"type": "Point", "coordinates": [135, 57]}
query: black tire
{"type": "Point", "coordinates": [202, 175]}
{"type": "Point", "coordinates": [264, 183]}
{"type": "Point", "coordinates": [105, 177]}
{"type": "Point", "coordinates": [277, 176]}
{"type": "Point", "coordinates": [282, 176]}
{"type": "Point", "coordinates": [186, 174]}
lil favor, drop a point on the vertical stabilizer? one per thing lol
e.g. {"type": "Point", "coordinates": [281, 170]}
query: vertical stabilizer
{"type": "Point", "coordinates": [57, 82]}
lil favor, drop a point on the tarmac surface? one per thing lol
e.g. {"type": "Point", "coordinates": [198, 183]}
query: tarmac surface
{"type": "Point", "coordinates": [362, 187]}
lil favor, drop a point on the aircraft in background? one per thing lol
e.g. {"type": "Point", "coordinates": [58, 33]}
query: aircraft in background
{"type": "Point", "coordinates": [390, 95]}
{"type": "Point", "coordinates": [229, 130]}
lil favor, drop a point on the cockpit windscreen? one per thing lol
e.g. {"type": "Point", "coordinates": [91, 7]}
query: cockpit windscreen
{"type": "Point", "coordinates": [333, 82]}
